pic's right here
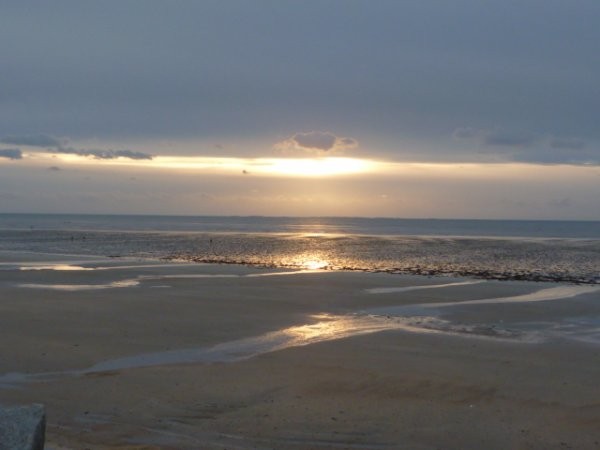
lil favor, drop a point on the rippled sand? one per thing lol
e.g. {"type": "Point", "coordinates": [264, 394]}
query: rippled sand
{"type": "Point", "coordinates": [530, 259]}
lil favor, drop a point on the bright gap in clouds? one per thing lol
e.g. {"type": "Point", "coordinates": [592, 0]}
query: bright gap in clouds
{"type": "Point", "coordinates": [308, 187]}
{"type": "Point", "coordinates": [314, 167]}
{"type": "Point", "coordinates": [295, 167]}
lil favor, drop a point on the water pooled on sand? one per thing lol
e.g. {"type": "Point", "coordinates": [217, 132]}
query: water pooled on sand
{"type": "Point", "coordinates": [421, 318]}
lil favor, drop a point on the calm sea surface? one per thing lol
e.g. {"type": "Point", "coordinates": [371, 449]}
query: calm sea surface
{"type": "Point", "coordinates": [530, 250]}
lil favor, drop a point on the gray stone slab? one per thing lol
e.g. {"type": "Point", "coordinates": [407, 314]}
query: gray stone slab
{"type": "Point", "coordinates": [22, 427]}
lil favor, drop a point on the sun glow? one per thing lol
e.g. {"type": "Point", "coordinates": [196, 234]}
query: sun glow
{"type": "Point", "coordinates": [315, 167]}
{"type": "Point", "coordinates": [294, 167]}
{"type": "Point", "coordinates": [307, 261]}
{"type": "Point", "coordinates": [315, 264]}
{"type": "Point", "coordinates": [298, 167]}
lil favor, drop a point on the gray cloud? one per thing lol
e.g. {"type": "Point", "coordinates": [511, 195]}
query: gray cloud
{"type": "Point", "coordinates": [54, 169]}
{"type": "Point", "coordinates": [549, 155]}
{"type": "Point", "coordinates": [104, 154]}
{"type": "Point", "coordinates": [508, 139]}
{"type": "Point", "coordinates": [38, 140]}
{"type": "Point", "coordinates": [496, 137]}
{"type": "Point", "coordinates": [530, 148]}
{"type": "Point", "coordinates": [441, 65]}
{"type": "Point", "coordinates": [348, 142]}
{"type": "Point", "coordinates": [130, 154]}
{"type": "Point", "coordinates": [465, 133]}
{"type": "Point", "coordinates": [567, 143]}
{"type": "Point", "coordinates": [11, 153]}
{"type": "Point", "coordinates": [316, 141]}
{"type": "Point", "coordinates": [57, 145]}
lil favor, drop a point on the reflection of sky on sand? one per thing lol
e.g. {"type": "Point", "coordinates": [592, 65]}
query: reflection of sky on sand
{"type": "Point", "coordinates": [81, 287]}
{"type": "Point", "coordinates": [583, 329]}
{"type": "Point", "coordinates": [91, 266]}
{"type": "Point", "coordinates": [397, 289]}
{"type": "Point", "coordinates": [329, 327]}
{"type": "Point", "coordinates": [326, 328]}
{"type": "Point", "coordinates": [554, 293]}
{"type": "Point", "coordinates": [417, 318]}
{"type": "Point", "coordinates": [541, 295]}
{"type": "Point", "coordinates": [59, 267]}
{"type": "Point", "coordinates": [134, 282]}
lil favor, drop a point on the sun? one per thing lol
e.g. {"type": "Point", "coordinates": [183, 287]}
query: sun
{"type": "Point", "coordinates": [313, 167]}
{"type": "Point", "coordinates": [269, 167]}
{"type": "Point", "coordinates": [315, 264]}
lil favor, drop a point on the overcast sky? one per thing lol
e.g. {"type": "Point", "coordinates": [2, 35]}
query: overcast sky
{"type": "Point", "coordinates": [508, 88]}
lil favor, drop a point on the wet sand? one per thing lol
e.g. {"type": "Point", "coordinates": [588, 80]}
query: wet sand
{"type": "Point", "coordinates": [149, 355]}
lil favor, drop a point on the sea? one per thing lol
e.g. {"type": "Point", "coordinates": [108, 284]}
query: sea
{"type": "Point", "coordinates": [531, 250]}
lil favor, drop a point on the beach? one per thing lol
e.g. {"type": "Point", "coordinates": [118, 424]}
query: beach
{"type": "Point", "coordinates": [133, 353]}
{"type": "Point", "coordinates": [300, 225]}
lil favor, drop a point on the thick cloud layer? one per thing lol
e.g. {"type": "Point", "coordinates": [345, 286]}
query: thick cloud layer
{"type": "Point", "coordinates": [525, 147]}
{"type": "Point", "coordinates": [39, 140]}
{"type": "Point", "coordinates": [396, 75]}
{"type": "Point", "coordinates": [461, 81]}
{"type": "Point", "coordinates": [56, 145]}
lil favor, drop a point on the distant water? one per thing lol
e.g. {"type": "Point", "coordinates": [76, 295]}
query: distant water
{"type": "Point", "coordinates": [307, 225]}
{"type": "Point", "coordinates": [494, 249]}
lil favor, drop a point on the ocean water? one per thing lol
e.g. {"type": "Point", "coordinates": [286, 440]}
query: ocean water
{"type": "Point", "coordinates": [490, 249]}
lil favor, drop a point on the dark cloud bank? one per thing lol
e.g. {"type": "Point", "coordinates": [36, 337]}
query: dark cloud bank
{"type": "Point", "coordinates": [11, 153]}
{"type": "Point", "coordinates": [105, 154]}
{"type": "Point", "coordinates": [60, 145]}
{"type": "Point", "coordinates": [528, 147]}
{"type": "Point", "coordinates": [387, 71]}
{"type": "Point", "coordinates": [39, 140]}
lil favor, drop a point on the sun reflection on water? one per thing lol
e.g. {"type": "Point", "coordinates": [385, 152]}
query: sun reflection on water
{"type": "Point", "coordinates": [315, 264]}
{"type": "Point", "coordinates": [330, 327]}
{"type": "Point", "coordinates": [307, 260]}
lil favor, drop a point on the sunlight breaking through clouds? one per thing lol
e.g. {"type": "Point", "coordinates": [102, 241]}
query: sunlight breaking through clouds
{"type": "Point", "coordinates": [295, 167]}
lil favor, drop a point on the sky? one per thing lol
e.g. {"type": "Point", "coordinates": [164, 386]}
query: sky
{"type": "Point", "coordinates": [448, 109]}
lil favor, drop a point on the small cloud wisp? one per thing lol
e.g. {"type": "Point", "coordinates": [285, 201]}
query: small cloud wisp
{"type": "Point", "coordinates": [315, 142]}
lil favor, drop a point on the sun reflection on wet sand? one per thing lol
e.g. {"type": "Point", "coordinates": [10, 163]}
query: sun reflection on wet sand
{"type": "Point", "coordinates": [315, 264]}
{"type": "Point", "coordinates": [326, 328]}
{"type": "Point", "coordinates": [309, 261]}
{"type": "Point", "coordinates": [330, 327]}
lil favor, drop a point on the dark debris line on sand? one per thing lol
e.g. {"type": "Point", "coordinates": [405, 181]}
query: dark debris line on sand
{"type": "Point", "coordinates": [535, 276]}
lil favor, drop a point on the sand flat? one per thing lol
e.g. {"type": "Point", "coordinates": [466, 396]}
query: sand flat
{"type": "Point", "coordinates": [479, 375]}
